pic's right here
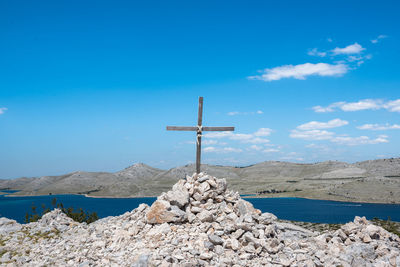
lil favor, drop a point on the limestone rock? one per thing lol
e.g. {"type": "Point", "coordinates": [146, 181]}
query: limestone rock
{"type": "Point", "coordinates": [216, 240]}
{"type": "Point", "coordinates": [205, 216]}
{"type": "Point", "coordinates": [179, 195]}
{"type": "Point", "coordinates": [7, 226]}
{"type": "Point", "coordinates": [161, 212]}
{"type": "Point", "coordinates": [244, 207]}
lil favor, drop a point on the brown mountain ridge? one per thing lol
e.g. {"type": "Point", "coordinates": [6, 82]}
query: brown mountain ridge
{"type": "Point", "coordinates": [375, 181]}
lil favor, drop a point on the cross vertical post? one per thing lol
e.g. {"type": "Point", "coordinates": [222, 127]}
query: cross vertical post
{"type": "Point", "coordinates": [199, 130]}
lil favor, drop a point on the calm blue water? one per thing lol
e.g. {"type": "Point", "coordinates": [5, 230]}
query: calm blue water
{"type": "Point", "coordinates": [297, 209]}
{"type": "Point", "coordinates": [16, 207]}
{"type": "Point", "coordinates": [324, 211]}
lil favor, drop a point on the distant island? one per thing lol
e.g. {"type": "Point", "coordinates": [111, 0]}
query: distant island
{"type": "Point", "coordinates": [373, 181]}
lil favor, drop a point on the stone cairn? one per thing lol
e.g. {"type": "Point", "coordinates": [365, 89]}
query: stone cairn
{"type": "Point", "coordinates": [198, 223]}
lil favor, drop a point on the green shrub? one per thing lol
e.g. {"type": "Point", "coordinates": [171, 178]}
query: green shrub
{"type": "Point", "coordinates": [78, 215]}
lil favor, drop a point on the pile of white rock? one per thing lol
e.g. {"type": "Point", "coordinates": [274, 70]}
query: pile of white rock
{"type": "Point", "coordinates": [198, 223]}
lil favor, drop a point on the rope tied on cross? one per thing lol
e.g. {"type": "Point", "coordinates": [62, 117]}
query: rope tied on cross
{"type": "Point", "coordinates": [199, 135]}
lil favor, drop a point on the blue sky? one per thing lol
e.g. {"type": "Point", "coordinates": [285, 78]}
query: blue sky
{"type": "Point", "coordinates": [91, 85]}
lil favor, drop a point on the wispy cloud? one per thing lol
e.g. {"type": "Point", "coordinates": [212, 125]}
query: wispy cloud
{"type": "Point", "coordinates": [2, 110]}
{"type": "Point", "coordinates": [329, 108]}
{"type": "Point", "coordinates": [379, 127]}
{"type": "Point", "coordinates": [292, 156]}
{"type": "Point", "coordinates": [361, 140]}
{"type": "Point", "coordinates": [233, 113]}
{"type": "Point", "coordinates": [322, 148]}
{"type": "Point", "coordinates": [314, 125]}
{"type": "Point", "coordinates": [313, 131]}
{"type": "Point", "coordinates": [213, 149]}
{"type": "Point", "coordinates": [263, 149]}
{"type": "Point", "coordinates": [256, 147]}
{"type": "Point", "coordinates": [360, 105]}
{"type": "Point", "coordinates": [350, 49]}
{"type": "Point", "coordinates": [316, 135]}
{"type": "Point", "coordinates": [210, 142]}
{"type": "Point", "coordinates": [263, 132]}
{"type": "Point", "coordinates": [316, 52]}
{"type": "Point", "coordinates": [270, 150]}
{"type": "Point", "coordinates": [312, 134]}
{"type": "Point", "coordinates": [301, 71]}
{"type": "Point", "coordinates": [377, 39]}
{"type": "Point", "coordinates": [366, 104]}
{"type": "Point", "coordinates": [392, 106]}
{"type": "Point", "coordinates": [257, 137]}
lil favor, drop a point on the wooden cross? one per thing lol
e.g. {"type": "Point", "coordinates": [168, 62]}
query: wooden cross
{"type": "Point", "coordinates": [199, 129]}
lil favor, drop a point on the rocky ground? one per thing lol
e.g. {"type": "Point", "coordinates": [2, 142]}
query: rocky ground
{"type": "Point", "coordinates": [198, 223]}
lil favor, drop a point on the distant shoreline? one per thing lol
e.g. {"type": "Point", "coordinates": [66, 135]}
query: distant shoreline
{"type": "Point", "coordinates": [336, 200]}
{"type": "Point", "coordinates": [245, 196]}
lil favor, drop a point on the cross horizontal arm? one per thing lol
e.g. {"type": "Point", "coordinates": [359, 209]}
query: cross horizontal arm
{"type": "Point", "coordinates": [205, 128]}
{"type": "Point", "coordinates": [218, 128]}
{"type": "Point", "coordinates": [181, 128]}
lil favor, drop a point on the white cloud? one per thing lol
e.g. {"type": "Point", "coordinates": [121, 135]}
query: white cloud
{"type": "Point", "coordinates": [218, 134]}
{"type": "Point", "coordinates": [254, 138]}
{"type": "Point", "coordinates": [263, 132]}
{"type": "Point", "coordinates": [314, 125]}
{"type": "Point", "coordinates": [315, 52]}
{"type": "Point", "coordinates": [210, 142]}
{"type": "Point", "coordinates": [2, 110]}
{"type": "Point", "coordinates": [301, 71]}
{"type": "Point", "coordinates": [350, 49]}
{"type": "Point", "coordinates": [322, 148]}
{"type": "Point", "coordinates": [255, 147]}
{"type": "Point", "coordinates": [379, 127]}
{"type": "Point", "coordinates": [329, 108]}
{"type": "Point", "coordinates": [312, 134]}
{"type": "Point", "coordinates": [270, 150]}
{"type": "Point", "coordinates": [392, 106]}
{"type": "Point", "coordinates": [209, 149]}
{"type": "Point", "coordinates": [212, 149]}
{"type": "Point", "coordinates": [361, 140]}
{"type": "Point", "coordinates": [241, 137]}
{"type": "Point", "coordinates": [366, 104]}
{"type": "Point", "coordinates": [292, 156]}
{"type": "Point", "coordinates": [354, 58]}
{"type": "Point", "coordinates": [343, 140]}
{"type": "Point", "coordinates": [358, 59]}
{"type": "Point", "coordinates": [231, 149]}
{"type": "Point", "coordinates": [329, 40]}
{"type": "Point", "coordinates": [361, 105]}
{"type": "Point", "coordinates": [376, 40]}
{"type": "Point", "coordinates": [233, 113]}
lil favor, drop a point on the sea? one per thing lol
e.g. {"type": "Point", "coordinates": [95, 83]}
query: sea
{"type": "Point", "coordinates": [295, 209]}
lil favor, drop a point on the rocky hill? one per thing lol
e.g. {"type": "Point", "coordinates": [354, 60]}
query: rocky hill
{"type": "Point", "coordinates": [375, 181]}
{"type": "Point", "coordinates": [198, 223]}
